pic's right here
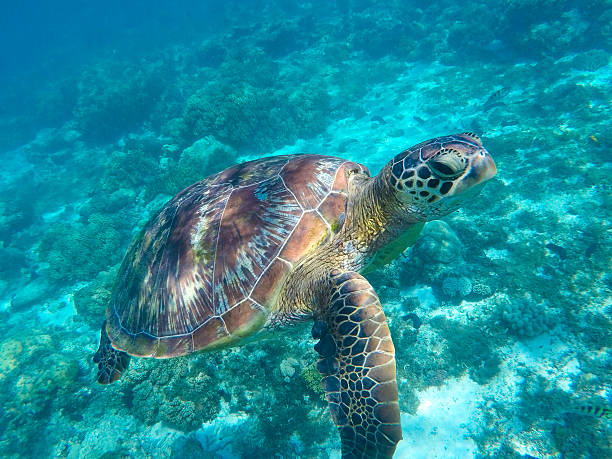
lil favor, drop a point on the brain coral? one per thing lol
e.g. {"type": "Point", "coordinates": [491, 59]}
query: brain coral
{"type": "Point", "coordinates": [525, 317]}
{"type": "Point", "coordinates": [454, 286]}
{"type": "Point", "coordinates": [176, 392]}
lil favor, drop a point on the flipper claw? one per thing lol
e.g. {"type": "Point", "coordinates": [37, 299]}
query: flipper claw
{"type": "Point", "coordinates": [111, 362]}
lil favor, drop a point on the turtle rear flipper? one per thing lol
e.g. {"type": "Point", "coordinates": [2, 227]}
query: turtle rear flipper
{"type": "Point", "coordinates": [111, 362]}
{"type": "Point", "coordinates": [357, 361]}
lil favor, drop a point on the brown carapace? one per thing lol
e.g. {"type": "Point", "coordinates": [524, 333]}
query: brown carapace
{"type": "Point", "coordinates": [283, 239]}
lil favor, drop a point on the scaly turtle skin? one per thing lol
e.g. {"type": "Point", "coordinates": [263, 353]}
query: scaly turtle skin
{"type": "Point", "coordinates": [284, 239]}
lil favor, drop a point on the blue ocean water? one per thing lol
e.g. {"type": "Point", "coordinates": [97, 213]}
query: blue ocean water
{"type": "Point", "coordinates": [500, 313]}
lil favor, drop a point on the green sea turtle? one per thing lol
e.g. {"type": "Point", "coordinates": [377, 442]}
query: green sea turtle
{"type": "Point", "coordinates": [285, 239]}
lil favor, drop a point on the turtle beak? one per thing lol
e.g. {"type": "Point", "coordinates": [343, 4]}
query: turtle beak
{"type": "Point", "coordinates": [481, 169]}
{"type": "Point", "coordinates": [487, 167]}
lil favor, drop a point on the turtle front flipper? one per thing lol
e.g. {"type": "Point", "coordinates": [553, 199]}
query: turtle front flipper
{"type": "Point", "coordinates": [111, 362]}
{"type": "Point", "coordinates": [357, 361]}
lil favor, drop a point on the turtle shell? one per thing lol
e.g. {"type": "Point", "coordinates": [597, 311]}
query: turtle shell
{"type": "Point", "coordinates": [206, 269]}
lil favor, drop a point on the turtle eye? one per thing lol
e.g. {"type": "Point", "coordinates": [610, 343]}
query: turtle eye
{"type": "Point", "coordinates": [448, 163]}
{"type": "Point", "coordinates": [351, 171]}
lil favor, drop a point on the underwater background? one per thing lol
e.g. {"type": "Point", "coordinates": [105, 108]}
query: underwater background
{"type": "Point", "coordinates": [501, 312]}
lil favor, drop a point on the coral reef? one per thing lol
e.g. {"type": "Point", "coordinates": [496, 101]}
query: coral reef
{"type": "Point", "coordinates": [174, 392]}
{"type": "Point", "coordinates": [453, 286]}
{"type": "Point", "coordinates": [91, 301]}
{"type": "Point", "coordinates": [33, 391]}
{"type": "Point", "coordinates": [437, 255]}
{"type": "Point", "coordinates": [312, 379]}
{"type": "Point", "coordinates": [287, 368]}
{"type": "Point", "coordinates": [480, 289]}
{"type": "Point", "coordinates": [257, 120]}
{"type": "Point", "coordinates": [524, 317]}
{"type": "Point", "coordinates": [507, 300]}
{"type": "Point", "coordinates": [135, 164]}
{"type": "Point", "coordinates": [75, 252]}
{"type": "Point", "coordinates": [115, 98]}
{"type": "Point", "coordinates": [205, 156]}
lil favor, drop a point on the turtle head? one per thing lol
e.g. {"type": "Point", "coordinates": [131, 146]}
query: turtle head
{"type": "Point", "coordinates": [436, 177]}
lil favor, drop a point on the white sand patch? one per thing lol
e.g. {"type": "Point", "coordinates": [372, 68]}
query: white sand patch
{"type": "Point", "coordinates": [440, 427]}
{"type": "Point", "coordinates": [495, 254]}
{"type": "Point", "coordinates": [59, 312]}
{"type": "Point", "coordinates": [448, 416]}
{"type": "Point", "coordinates": [4, 303]}
{"type": "Point", "coordinates": [425, 295]}
{"type": "Point", "coordinates": [216, 436]}
{"type": "Point", "coordinates": [49, 217]}
{"type": "Point", "coordinates": [546, 355]}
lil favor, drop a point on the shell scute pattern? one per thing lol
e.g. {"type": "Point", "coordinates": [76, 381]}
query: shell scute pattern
{"type": "Point", "coordinates": [257, 220]}
{"type": "Point", "coordinates": [298, 177]}
{"type": "Point", "coordinates": [205, 269]}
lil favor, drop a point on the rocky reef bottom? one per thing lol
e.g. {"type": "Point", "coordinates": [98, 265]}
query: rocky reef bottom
{"type": "Point", "coordinates": [500, 313]}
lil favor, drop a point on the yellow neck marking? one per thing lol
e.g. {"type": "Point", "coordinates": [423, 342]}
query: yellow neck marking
{"type": "Point", "coordinates": [389, 252]}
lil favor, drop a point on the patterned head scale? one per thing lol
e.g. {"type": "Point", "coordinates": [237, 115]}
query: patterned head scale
{"type": "Point", "coordinates": [435, 177]}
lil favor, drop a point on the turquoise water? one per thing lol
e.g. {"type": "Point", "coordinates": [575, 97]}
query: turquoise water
{"type": "Point", "coordinates": [103, 112]}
